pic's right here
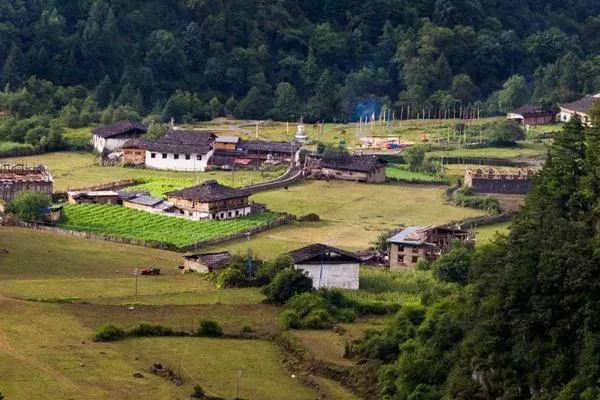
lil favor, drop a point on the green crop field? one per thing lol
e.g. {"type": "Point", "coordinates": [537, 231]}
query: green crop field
{"type": "Point", "coordinates": [400, 172]}
{"type": "Point", "coordinates": [134, 224]}
{"type": "Point", "coordinates": [72, 170]}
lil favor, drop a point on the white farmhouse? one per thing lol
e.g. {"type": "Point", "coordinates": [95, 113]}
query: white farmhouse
{"type": "Point", "coordinates": [580, 107]}
{"type": "Point", "coordinates": [177, 151]}
{"type": "Point", "coordinates": [328, 266]}
{"type": "Point", "coordinates": [110, 138]}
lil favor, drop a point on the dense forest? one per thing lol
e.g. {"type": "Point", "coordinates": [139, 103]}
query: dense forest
{"type": "Point", "coordinates": [524, 321]}
{"type": "Point", "coordinates": [322, 59]}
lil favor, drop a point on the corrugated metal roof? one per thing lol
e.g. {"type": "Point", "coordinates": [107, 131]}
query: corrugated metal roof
{"type": "Point", "coordinates": [414, 235]}
{"type": "Point", "coordinates": [227, 139]}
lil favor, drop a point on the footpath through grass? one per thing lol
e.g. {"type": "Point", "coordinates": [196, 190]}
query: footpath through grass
{"type": "Point", "coordinates": [140, 225]}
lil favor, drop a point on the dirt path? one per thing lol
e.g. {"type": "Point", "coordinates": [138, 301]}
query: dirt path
{"type": "Point", "coordinates": [6, 348]}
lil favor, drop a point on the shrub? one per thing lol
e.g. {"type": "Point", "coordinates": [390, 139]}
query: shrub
{"type": "Point", "coordinates": [230, 277]}
{"type": "Point", "coordinates": [286, 284]}
{"type": "Point", "coordinates": [268, 271]}
{"type": "Point", "coordinates": [454, 266]}
{"type": "Point", "coordinates": [464, 197]}
{"type": "Point", "coordinates": [29, 206]}
{"type": "Point", "coordinates": [210, 328]}
{"type": "Point", "coordinates": [312, 217]}
{"type": "Point", "coordinates": [150, 330]}
{"type": "Point", "coordinates": [109, 333]}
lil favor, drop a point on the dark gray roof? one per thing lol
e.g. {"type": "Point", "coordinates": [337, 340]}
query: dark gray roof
{"type": "Point", "coordinates": [209, 191]}
{"type": "Point", "coordinates": [267, 146]}
{"type": "Point", "coordinates": [145, 200]}
{"type": "Point", "coordinates": [322, 253]}
{"type": "Point", "coordinates": [531, 110]}
{"type": "Point", "coordinates": [120, 128]}
{"type": "Point", "coordinates": [177, 142]}
{"type": "Point", "coordinates": [353, 163]}
{"type": "Point", "coordinates": [211, 260]}
{"type": "Point", "coordinates": [582, 105]}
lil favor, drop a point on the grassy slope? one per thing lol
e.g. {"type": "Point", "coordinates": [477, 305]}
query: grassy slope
{"type": "Point", "coordinates": [81, 169]}
{"type": "Point", "coordinates": [401, 172]}
{"type": "Point", "coordinates": [524, 149]}
{"type": "Point", "coordinates": [352, 214]}
{"type": "Point", "coordinates": [57, 350]}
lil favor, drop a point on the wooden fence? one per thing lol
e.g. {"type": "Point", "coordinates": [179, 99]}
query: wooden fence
{"type": "Point", "coordinates": [282, 220]}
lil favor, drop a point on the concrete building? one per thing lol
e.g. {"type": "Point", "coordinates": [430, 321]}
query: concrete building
{"type": "Point", "coordinates": [211, 200]}
{"type": "Point", "coordinates": [370, 169]}
{"type": "Point", "coordinates": [531, 115]}
{"type": "Point", "coordinates": [328, 266]}
{"type": "Point", "coordinates": [19, 178]}
{"type": "Point", "coordinates": [110, 138]}
{"type": "Point", "coordinates": [206, 262]}
{"type": "Point", "coordinates": [580, 107]}
{"type": "Point", "coordinates": [418, 243]}
{"type": "Point", "coordinates": [499, 180]}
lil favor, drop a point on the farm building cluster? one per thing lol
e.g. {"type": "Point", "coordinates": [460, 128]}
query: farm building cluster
{"type": "Point", "coordinates": [190, 150]}
{"type": "Point", "coordinates": [533, 114]}
{"type": "Point", "coordinates": [356, 168]}
{"type": "Point", "coordinates": [209, 200]}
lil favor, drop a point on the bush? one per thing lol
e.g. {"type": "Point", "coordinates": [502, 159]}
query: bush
{"type": "Point", "coordinates": [109, 333]}
{"type": "Point", "coordinates": [210, 328]}
{"type": "Point", "coordinates": [146, 330]}
{"type": "Point", "coordinates": [312, 217]}
{"type": "Point", "coordinates": [268, 271]}
{"type": "Point", "coordinates": [286, 284]}
{"type": "Point", "coordinates": [30, 206]}
{"type": "Point", "coordinates": [464, 198]}
{"type": "Point", "coordinates": [230, 277]}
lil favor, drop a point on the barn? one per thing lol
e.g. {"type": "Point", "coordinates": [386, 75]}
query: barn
{"type": "Point", "coordinates": [206, 262]}
{"type": "Point", "coordinates": [329, 267]}
{"type": "Point", "coordinates": [110, 138]}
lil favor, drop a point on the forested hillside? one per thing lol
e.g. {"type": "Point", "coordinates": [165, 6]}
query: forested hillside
{"type": "Point", "coordinates": [523, 322]}
{"type": "Point", "coordinates": [196, 59]}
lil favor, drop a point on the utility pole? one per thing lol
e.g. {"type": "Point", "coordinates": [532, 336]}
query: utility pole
{"type": "Point", "coordinates": [136, 272]}
{"type": "Point", "coordinates": [238, 376]}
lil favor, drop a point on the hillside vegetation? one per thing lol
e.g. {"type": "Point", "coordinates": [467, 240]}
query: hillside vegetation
{"type": "Point", "coordinates": [72, 63]}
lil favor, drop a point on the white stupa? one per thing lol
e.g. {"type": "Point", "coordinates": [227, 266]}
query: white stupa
{"type": "Point", "coordinates": [301, 135]}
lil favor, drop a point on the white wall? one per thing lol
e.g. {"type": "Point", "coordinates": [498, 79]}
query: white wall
{"type": "Point", "coordinates": [110, 144]}
{"type": "Point", "coordinates": [565, 116]}
{"type": "Point", "coordinates": [341, 276]}
{"type": "Point", "coordinates": [181, 164]}
{"type": "Point", "coordinates": [229, 214]}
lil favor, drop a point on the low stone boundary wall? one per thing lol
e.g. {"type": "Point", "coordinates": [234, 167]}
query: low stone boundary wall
{"type": "Point", "coordinates": [283, 220]}
{"type": "Point", "coordinates": [62, 196]}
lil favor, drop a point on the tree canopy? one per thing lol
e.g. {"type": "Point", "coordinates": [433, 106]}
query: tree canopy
{"type": "Point", "coordinates": [198, 59]}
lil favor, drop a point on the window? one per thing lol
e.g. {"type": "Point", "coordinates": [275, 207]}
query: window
{"type": "Point", "coordinates": [401, 249]}
{"type": "Point", "coordinates": [400, 259]}
{"type": "Point", "coordinates": [164, 155]}
{"type": "Point", "coordinates": [187, 156]}
{"type": "Point", "coordinates": [152, 155]}
{"type": "Point", "coordinates": [415, 260]}
{"type": "Point", "coordinates": [176, 156]}
{"type": "Point", "coordinates": [199, 157]}
{"type": "Point", "coordinates": [237, 213]}
{"type": "Point", "coordinates": [230, 214]}
{"type": "Point", "coordinates": [415, 250]}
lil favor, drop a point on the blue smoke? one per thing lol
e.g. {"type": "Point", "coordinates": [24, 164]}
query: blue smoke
{"type": "Point", "coordinates": [366, 108]}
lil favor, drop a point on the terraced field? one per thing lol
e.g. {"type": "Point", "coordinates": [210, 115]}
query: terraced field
{"type": "Point", "coordinates": [140, 225]}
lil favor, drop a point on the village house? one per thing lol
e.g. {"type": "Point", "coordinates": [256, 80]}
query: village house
{"type": "Point", "coordinates": [177, 151]}
{"type": "Point", "coordinates": [110, 138]}
{"type": "Point", "coordinates": [580, 107]}
{"type": "Point", "coordinates": [531, 115]}
{"type": "Point", "coordinates": [418, 243]}
{"type": "Point", "coordinates": [93, 197]}
{"type": "Point", "coordinates": [328, 267]}
{"type": "Point", "coordinates": [211, 200]}
{"type": "Point", "coordinates": [499, 180]}
{"type": "Point", "coordinates": [206, 262]}
{"type": "Point", "coordinates": [361, 168]}
{"type": "Point", "coordinates": [254, 153]}
{"type": "Point", "coordinates": [226, 143]}
{"type": "Point", "coordinates": [19, 178]}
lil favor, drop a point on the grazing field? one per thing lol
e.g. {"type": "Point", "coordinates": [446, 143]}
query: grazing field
{"type": "Point", "coordinates": [140, 225]}
{"type": "Point", "coordinates": [523, 150]}
{"type": "Point", "coordinates": [72, 170]}
{"type": "Point", "coordinates": [407, 130]}
{"type": "Point", "coordinates": [484, 234]}
{"type": "Point", "coordinates": [352, 215]}
{"type": "Point", "coordinates": [57, 350]}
